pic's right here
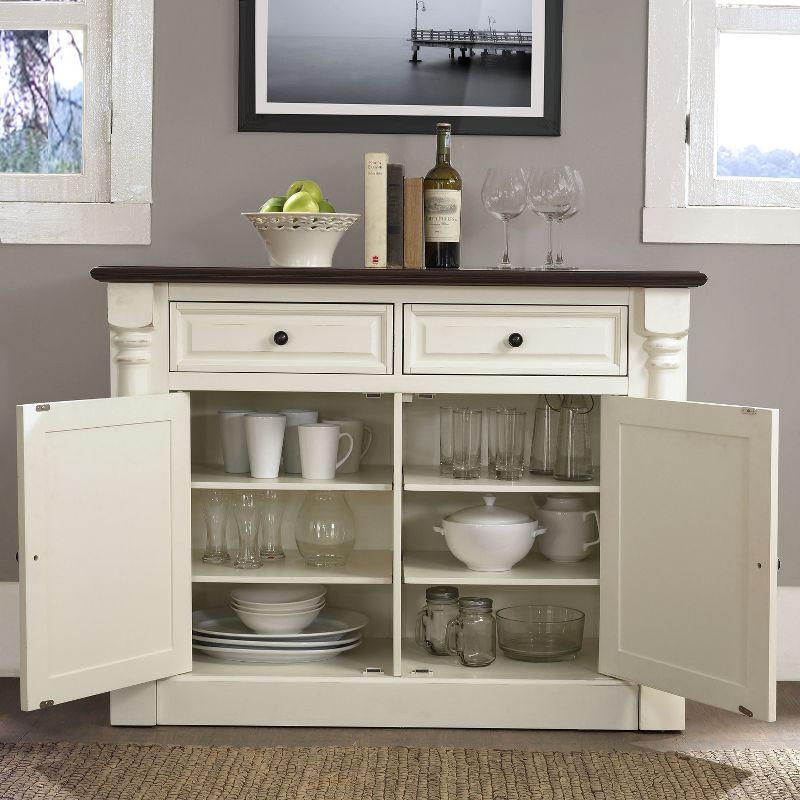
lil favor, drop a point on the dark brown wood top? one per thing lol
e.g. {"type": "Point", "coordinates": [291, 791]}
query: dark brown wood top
{"type": "Point", "coordinates": [401, 277]}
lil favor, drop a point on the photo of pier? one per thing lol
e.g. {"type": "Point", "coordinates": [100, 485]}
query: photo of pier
{"type": "Point", "coordinates": [444, 53]}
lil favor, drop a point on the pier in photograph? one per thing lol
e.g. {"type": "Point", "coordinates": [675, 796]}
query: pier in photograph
{"type": "Point", "coordinates": [503, 43]}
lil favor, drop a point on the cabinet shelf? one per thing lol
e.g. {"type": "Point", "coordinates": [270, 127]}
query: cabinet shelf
{"type": "Point", "coordinates": [367, 479]}
{"type": "Point", "coordinates": [432, 567]}
{"type": "Point", "coordinates": [363, 567]}
{"type": "Point", "coordinates": [349, 665]}
{"type": "Point", "coordinates": [582, 670]}
{"type": "Point", "coordinates": [428, 479]}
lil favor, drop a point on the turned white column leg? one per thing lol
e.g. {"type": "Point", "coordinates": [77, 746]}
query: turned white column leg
{"type": "Point", "coordinates": [664, 365]}
{"type": "Point", "coordinates": [131, 320]}
{"type": "Point", "coordinates": [131, 354]}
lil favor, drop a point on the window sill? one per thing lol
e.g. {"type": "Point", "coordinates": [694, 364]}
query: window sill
{"type": "Point", "coordinates": [721, 225]}
{"type": "Point", "coordinates": [74, 223]}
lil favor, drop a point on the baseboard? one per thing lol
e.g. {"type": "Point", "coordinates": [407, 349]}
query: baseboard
{"type": "Point", "coordinates": [9, 629]}
{"type": "Point", "coordinates": [788, 631]}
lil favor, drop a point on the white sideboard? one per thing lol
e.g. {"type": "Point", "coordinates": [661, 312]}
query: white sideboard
{"type": "Point", "coordinates": [680, 603]}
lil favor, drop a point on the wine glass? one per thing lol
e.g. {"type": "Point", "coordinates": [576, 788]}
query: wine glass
{"type": "Point", "coordinates": [555, 194]}
{"type": "Point", "coordinates": [504, 196]}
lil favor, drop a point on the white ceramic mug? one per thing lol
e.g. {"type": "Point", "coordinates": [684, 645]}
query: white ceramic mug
{"type": "Point", "coordinates": [362, 441]}
{"type": "Point", "coordinates": [264, 433]}
{"type": "Point", "coordinates": [291, 444]}
{"type": "Point", "coordinates": [234, 441]}
{"type": "Point", "coordinates": [319, 443]}
{"type": "Point", "coordinates": [570, 532]}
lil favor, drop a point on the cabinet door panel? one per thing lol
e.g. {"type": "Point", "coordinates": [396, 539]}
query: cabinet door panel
{"type": "Point", "coordinates": [688, 572]}
{"type": "Point", "coordinates": [105, 584]}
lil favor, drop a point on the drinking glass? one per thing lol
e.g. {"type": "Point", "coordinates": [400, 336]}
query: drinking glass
{"type": "Point", "coordinates": [245, 513]}
{"type": "Point", "coordinates": [215, 513]}
{"type": "Point", "coordinates": [491, 439]}
{"type": "Point", "coordinates": [545, 437]}
{"type": "Point", "coordinates": [446, 440]}
{"type": "Point", "coordinates": [555, 194]}
{"type": "Point", "coordinates": [574, 451]}
{"type": "Point", "coordinates": [270, 515]}
{"type": "Point", "coordinates": [504, 196]}
{"type": "Point", "coordinates": [510, 444]}
{"type": "Point", "coordinates": [467, 442]}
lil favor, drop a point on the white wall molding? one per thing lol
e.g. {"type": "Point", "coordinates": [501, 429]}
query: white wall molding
{"type": "Point", "coordinates": [9, 629]}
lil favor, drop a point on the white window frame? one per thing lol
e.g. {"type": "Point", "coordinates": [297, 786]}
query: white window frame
{"type": "Point", "coordinates": [678, 209]}
{"type": "Point", "coordinates": [109, 202]}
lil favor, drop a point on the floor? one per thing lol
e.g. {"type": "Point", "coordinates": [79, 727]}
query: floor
{"type": "Point", "coordinates": [706, 729]}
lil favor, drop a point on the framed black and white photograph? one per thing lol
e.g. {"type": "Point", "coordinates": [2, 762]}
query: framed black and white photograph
{"type": "Point", "coordinates": [361, 66]}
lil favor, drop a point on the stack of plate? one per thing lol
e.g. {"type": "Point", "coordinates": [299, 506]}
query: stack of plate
{"type": "Point", "coordinates": [278, 609]}
{"type": "Point", "coordinates": [218, 633]}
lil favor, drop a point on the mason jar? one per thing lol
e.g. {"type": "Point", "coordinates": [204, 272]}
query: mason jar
{"type": "Point", "coordinates": [441, 606]}
{"type": "Point", "coordinates": [472, 635]}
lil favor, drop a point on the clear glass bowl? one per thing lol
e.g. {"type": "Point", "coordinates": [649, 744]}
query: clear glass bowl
{"type": "Point", "coordinates": [540, 633]}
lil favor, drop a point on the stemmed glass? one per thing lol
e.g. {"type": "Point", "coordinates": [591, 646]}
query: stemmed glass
{"type": "Point", "coordinates": [555, 194]}
{"type": "Point", "coordinates": [504, 196]}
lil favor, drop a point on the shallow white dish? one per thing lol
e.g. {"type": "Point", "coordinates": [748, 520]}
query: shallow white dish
{"type": "Point", "coordinates": [283, 595]}
{"type": "Point", "coordinates": [331, 622]}
{"type": "Point", "coordinates": [278, 611]}
{"type": "Point", "coordinates": [278, 623]}
{"type": "Point", "coordinates": [298, 656]}
{"type": "Point", "coordinates": [275, 644]}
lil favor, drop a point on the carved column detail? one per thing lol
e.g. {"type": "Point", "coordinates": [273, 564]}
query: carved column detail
{"type": "Point", "coordinates": [665, 358]}
{"type": "Point", "coordinates": [131, 321]}
{"type": "Point", "coordinates": [666, 326]}
{"type": "Point", "coordinates": [131, 353]}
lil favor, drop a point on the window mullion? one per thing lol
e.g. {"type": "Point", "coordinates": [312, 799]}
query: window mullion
{"type": "Point", "coordinates": [758, 19]}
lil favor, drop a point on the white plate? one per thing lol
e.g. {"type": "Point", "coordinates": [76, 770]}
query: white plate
{"type": "Point", "coordinates": [223, 623]}
{"type": "Point", "coordinates": [280, 594]}
{"type": "Point", "coordinates": [275, 644]}
{"type": "Point", "coordinates": [273, 656]}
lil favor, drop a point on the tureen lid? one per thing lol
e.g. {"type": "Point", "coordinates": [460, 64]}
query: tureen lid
{"type": "Point", "coordinates": [489, 514]}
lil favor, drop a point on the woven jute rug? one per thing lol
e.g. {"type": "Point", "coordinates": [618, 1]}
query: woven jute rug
{"type": "Point", "coordinates": [128, 772]}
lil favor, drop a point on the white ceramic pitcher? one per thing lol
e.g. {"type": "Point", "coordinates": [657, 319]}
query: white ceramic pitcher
{"type": "Point", "coordinates": [572, 529]}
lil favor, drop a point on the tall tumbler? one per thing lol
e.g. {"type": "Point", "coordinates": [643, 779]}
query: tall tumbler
{"type": "Point", "coordinates": [245, 513]}
{"type": "Point", "coordinates": [446, 440]}
{"type": "Point", "coordinates": [215, 513]}
{"type": "Point", "coordinates": [510, 444]}
{"type": "Point", "coordinates": [545, 437]}
{"type": "Point", "coordinates": [270, 515]}
{"type": "Point", "coordinates": [467, 442]}
{"type": "Point", "coordinates": [491, 439]}
{"type": "Point", "coordinates": [574, 452]}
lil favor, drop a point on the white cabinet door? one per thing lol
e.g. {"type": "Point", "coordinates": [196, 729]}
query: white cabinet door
{"type": "Point", "coordinates": [688, 563]}
{"type": "Point", "coordinates": [105, 572]}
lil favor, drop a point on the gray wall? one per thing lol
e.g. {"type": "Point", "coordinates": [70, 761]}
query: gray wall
{"type": "Point", "coordinates": [53, 343]}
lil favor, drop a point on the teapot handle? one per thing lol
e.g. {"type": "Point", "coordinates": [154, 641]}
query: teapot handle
{"type": "Point", "coordinates": [592, 513]}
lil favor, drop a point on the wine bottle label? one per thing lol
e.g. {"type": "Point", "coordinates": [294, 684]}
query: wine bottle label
{"type": "Point", "coordinates": [442, 215]}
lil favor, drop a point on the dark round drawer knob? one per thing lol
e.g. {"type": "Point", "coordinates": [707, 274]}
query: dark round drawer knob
{"type": "Point", "coordinates": [280, 338]}
{"type": "Point", "coordinates": [515, 340]}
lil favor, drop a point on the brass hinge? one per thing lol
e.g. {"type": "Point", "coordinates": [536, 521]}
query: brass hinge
{"type": "Point", "coordinates": [746, 711]}
{"type": "Point", "coordinates": [45, 704]}
{"type": "Point", "coordinates": [43, 407]}
{"type": "Point", "coordinates": [687, 138]}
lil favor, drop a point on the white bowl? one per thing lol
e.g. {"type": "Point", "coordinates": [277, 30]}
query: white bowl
{"type": "Point", "coordinates": [278, 611]}
{"type": "Point", "coordinates": [281, 594]}
{"type": "Point", "coordinates": [301, 240]}
{"type": "Point", "coordinates": [277, 623]}
{"type": "Point", "coordinates": [270, 608]}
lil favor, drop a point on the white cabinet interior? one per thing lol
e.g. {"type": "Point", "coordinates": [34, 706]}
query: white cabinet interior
{"type": "Point", "coordinates": [397, 497]}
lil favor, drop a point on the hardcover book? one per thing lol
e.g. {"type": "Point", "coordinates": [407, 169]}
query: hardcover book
{"type": "Point", "coordinates": [394, 216]}
{"type": "Point", "coordinates": [375, 209]}
{"type": "Point", "coordinates": [413, 224]}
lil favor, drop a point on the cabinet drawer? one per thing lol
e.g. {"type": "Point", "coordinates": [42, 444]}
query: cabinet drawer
{"type": "Point", "coordinates": [552, 340]}
{"type": "Point", "coordinates": [319, 337]}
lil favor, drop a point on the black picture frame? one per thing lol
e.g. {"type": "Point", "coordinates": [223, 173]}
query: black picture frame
{"type": "Point", "coordinates": [549, 124]}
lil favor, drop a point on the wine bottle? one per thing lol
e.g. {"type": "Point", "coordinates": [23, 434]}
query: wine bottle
{"type": "Point", "coordinates": [442, 207]}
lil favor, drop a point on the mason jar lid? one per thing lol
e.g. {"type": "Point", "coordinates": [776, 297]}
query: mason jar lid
{"type": "Point", "coordinates": [488, 514]}
{"type": "Point", "coordinates": [441, 593]}
{"type": "Point", "coordinates": [475, 603]}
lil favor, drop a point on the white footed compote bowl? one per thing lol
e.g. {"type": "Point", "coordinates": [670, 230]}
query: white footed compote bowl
{"type": "Point", "coordinates": [301, 240]}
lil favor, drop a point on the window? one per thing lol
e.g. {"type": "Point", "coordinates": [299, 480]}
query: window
{"type": "Point", "coordinates": [723, 143]}
{"type": "Point", "coordinates": [75, 121]}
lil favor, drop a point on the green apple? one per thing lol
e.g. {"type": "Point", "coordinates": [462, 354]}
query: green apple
{"type": "Point", "coordinates": [307, 186]}
{"type": "Point", "coordinates": [326, 208]}
{"type": "Point", "coordinates": [301, 203]}
{"type": "Point", "coordinates": [273, 204]}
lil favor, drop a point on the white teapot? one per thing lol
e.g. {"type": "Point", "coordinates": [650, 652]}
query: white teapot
{"type": "Point", "coordinates": [570, 531]}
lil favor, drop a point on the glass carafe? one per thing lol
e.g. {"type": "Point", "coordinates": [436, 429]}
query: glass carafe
{"type": "Point", "coordinates": [325, 530]}
{"type": "Point", "coordinates": [270, 515]}
{"type": "Point", "coordinates": [472, 635]}
{"type": "Point", "coordinates": [441, 606]}
{"type": "Point", "coordinates": [545, 436]}
{"type": "Point", "coordinates": [574, 451]}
